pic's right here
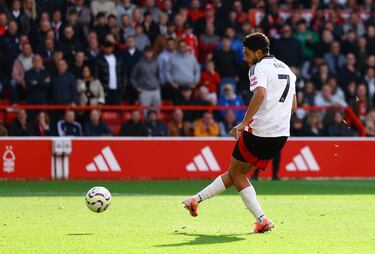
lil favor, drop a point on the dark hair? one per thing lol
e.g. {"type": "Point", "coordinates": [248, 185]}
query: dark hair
{"type": "Point", "coordinates": [256, 41]}
{"type": "Point", "coordinates": [148, 49]}
{"type": "Point", "coordinates": [111, 16]}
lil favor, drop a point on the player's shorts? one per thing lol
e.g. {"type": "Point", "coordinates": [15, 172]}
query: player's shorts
{"type": "Point", "coordinates": [257, 151]}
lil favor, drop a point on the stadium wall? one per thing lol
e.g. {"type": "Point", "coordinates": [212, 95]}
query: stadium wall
{"type": "Point", "coordinates": [175, 158]}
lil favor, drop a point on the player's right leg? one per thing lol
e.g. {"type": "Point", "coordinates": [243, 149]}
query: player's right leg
{"type": "Point", "coordinates": [220, 184]}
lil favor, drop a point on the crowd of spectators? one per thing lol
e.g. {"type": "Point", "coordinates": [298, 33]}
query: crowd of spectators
{"type": "Point", "coordinates": [180, 52]}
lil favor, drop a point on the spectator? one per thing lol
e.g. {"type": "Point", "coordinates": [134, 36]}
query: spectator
{"type": "Point", "coordinates": [190, 39]}
{"type": "Point", "coordinates": [339, 128]}
{"type": "Point", "coordinates": [348, 42]}
{"type": "Point", "coordinates": [150, 28]}
{"type": "Point", "coordinates": [47, 52]}
{"type": "Point", "coordinates": [64, 87]}
{"type": "Point", "coordinates": [309, 94]}
{"type": "Point", "coordinates": [103, 6]}
{"type": "Point", "coordinates": [336, 90]}
{"type": "Point", "coordinates": [102, 28]}
{"type": "Point", "coordinates": [370, 124]}
{"type": "Point", "coordinates": [69, 44]}
{"type": "Point", "coordinates": [90, 90]}
{"type": "Point", "coordinates": [321, 77]}
{"type": "Point", "coordinates": [228, 123]}
{"type": "Point", "coordinates": [229, 98]}
{"type": "Point", "coordinates": [164, 60]}
{"type": "Point", "coordinates": [126, 27]}
{"type": "Point", "coordinates": [348, 71]}
{"type": "Point", "coordinates": [210, 17]}
{"type": "Point", "coordinates": [307, 38]}
{"type": "Point", "coordinates": [131, 57]}
{"type": "Point", "coordinates": [124, 8]}
{"type": "Point", "coordinates": [92, 52]}
{"type": "Point", "coordinates": [210, 79]}
{"type": "Point", "coordinates": [145, 79]}
{"type": "Point", "coordinates": [42, 125]}
{"type": "Point", "coordinates": [314, 126]}
{"type": "Point", "coordinates": [57, 24]}
{"type": "Point", "coordinates": [80, 31]}
{"type": "Point", "coordinates": [334, 59]}
{"type": "Point", "coordinates": [235, 44]}
{"type": "Point", "coordinates": [370, 37]}
{"type": "Point", "coordinates": [362, 105]}
{"type": "Point", "coordinates": [369, 81]}
{"type": "Point", "coordinates": [141, 39]}
{"type": "Point", "coordinates": [225, 60]}
{"type": "Point", "coordinates": [185, 97]}
{"type": "Point", "coordinates": [19, 16]}
{"type": "Point", "coordinates": [163, 24]}
{"type": "Point", "coordinates": [354, 22]}
{"type": "Point", "coordinates": [195, 11]}
{"type": "Point", "coordinates": [326, 99]}
{"type": "Point", "coordinates": [203, 98]}
{"type": "Point", "coordinates": [68, 126]}
{"type": "Point", "coordinates": [206, 126]}
{"type": "Point", "coordinates": [110, 71]}
{"type": "Point", "coordinates": [155, 127]}
{"type": "Point", "coordinates": [151, 8]}
{"type": "Point", "coordinates": [294, 55]}
{"type": "Point", "coordinates": [207, 43]}
{"type": "Point", "coordinates": [296, 128]}
{"type": "Point", "coordinates": [184, 70]}
{"type": "Point", "coordinates": [178, 126]}
{"type": "Point", "coordinates": [134, 127]}
{"type": "Point", "coordinates": [37, 83]}
{"type": "Point", "coordinates": [79, 62]}
{"type": "Point", "coordinates": [361, 53]}
{"type": "Point", "coordinates": [95, 127]}
{"type": "Point", "coordinates": [20, 126]}
{"type": "Point", "coordinates": [10, 42]}
{"type": "Point", "coordinates": [21, 65]}
{"type": "Point", "coordinates": [84, 14]}
{"type": "Point", "coordinates": [323, 45]}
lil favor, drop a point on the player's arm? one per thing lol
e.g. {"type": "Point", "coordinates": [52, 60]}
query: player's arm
{"type": "Point", "coordinates": [255, 103]}
{"type": "Point", "coordinates": [294, 106]}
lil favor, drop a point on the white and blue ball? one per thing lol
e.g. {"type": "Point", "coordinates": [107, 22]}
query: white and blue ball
{"type": "Point", "coordinates": [98, 199]}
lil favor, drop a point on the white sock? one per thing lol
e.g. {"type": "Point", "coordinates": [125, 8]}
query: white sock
{"type": "Point", "coordinates": [248, 196]}
{"type": "Point", "coordinates": [213, 189]}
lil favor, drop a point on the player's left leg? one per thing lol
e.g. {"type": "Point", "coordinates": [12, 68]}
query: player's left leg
{"type": "Point", "coordinates": [238, 172]}
{"type": "Point", "coordinates": [220, 184]}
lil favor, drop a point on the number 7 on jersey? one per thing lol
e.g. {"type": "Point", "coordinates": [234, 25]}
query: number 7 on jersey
{"type": "Point", "coordinates": [286, 90]}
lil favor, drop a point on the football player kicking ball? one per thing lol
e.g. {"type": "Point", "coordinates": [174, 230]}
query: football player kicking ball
{"type": "Point", "coordinates": [263, 131]}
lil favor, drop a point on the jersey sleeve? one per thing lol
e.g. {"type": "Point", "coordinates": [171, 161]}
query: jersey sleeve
{"type": "Point", "coordinates": [257, 77]}
{"type": "Point", "coordinates": [293, 85]}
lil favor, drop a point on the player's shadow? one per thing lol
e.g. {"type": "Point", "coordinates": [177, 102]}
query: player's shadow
{"type": "Point", "coordinates": [205, 239]}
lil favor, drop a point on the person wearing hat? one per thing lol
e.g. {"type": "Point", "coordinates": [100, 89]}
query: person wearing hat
{"type": "Point", "coordinates": [111, 73]}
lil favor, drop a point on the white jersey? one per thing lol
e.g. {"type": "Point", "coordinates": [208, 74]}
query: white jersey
{"type": "Point", "coordinates": [273, 117]}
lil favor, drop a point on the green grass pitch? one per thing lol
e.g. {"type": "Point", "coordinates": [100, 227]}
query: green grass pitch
{"type": "Point", "coordinates": [147, 217]}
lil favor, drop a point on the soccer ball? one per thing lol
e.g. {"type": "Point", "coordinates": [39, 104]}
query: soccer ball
{"type": "Point", "coordinates": [98, 199]}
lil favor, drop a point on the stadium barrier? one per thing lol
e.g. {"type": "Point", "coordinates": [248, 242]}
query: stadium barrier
{"type": "Point", "coordinates": [114, 116]}
{"type": "Point", "coordinates": [175, 158]}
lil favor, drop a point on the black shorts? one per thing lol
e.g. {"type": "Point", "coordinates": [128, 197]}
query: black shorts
{"type": "Point", "coordinates": [257, 151]}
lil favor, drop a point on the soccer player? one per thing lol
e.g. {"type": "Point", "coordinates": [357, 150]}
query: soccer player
{"type": "Point", "coordinates": [262, 132]}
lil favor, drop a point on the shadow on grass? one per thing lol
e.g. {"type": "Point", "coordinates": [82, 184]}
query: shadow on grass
{"type": "Point", "coordinates": [201, 239]}
{"type": "Point", "coordinates": [79, 234]}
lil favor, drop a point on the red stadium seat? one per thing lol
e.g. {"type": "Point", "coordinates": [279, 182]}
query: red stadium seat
{"type": "Point", "coordinates": [113, 121]}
